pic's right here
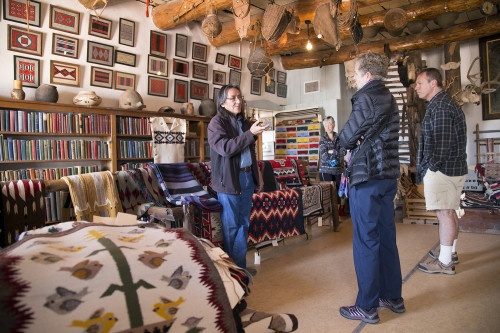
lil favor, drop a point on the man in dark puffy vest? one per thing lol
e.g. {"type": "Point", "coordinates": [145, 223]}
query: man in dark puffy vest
{"type": "Point", "coordinates": [372, 188]}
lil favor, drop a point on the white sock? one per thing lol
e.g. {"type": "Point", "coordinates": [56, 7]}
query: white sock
{"type": "Point", "coordinates": [445, 254]}
{"type": "Point", "coordinates": [454, 250]}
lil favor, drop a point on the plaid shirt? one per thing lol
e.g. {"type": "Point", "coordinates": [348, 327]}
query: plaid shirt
{"type": "Point", "coordinates": [443, 138]}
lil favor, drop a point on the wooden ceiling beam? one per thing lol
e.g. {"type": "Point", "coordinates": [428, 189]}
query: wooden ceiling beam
{"type": "Point", "coordinates": [425, 40]}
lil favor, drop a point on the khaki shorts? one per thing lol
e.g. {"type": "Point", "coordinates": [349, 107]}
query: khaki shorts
{"type": "Point", "coordinates": [442, 191]}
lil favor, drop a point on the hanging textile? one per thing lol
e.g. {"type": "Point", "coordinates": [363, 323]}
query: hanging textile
{"type": "Point", "coordinates": [169, 139]}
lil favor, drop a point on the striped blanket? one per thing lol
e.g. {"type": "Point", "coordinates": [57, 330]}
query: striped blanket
{"type": "Point", "coordinates": [182, 188]}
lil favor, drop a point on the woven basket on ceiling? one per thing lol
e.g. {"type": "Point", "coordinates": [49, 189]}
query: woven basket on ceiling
{"type": "Point", "coordinates": [326, 25]}
{"type": "Point", "coordinates": [275, 21]}
{"type": "Point", "coordinates": [211, 26]}
{"type": "Point", "coordinates": [395, 20]}
{"type": "Point", "coordinates": [93, 4]}
{"type": "Point", "coordinates": [259, 63]}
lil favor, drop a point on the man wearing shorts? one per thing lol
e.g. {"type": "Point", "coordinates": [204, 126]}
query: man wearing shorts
{"type": "Point", "coordinates": [442, 166]}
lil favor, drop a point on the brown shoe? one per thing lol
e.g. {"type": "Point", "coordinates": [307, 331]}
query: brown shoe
{"type": "Point", "coordinates": [436, 266]}
{"type": "Point", "coordinates": [434, 254]}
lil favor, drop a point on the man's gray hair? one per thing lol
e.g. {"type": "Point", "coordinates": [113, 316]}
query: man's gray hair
{"type": "Point", "coordinates": [376, 64]}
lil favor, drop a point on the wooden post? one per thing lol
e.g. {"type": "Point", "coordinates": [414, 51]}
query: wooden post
{"type": "Point", "coordinates": [452, 76]}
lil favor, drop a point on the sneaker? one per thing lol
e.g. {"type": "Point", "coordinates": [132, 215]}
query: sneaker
{"type": "Point", "coordinates": [356, 313]}
{"type": "Point", "coordinates": [395, 305]}
{"type": "Point", "coordinates": [436, 266]}
{"type": "Point", "coordinates": [434, 254]}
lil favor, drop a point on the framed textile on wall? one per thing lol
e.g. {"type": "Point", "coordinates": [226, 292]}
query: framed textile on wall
{"type": "Point", "coordinates": [15, 10]}
{"type": "Point", "coordinates": [234, 77]}
{"type": "Point", "coordinates": [65, 46]}
{"type": "Point", "coordinates": [220, 58]}
{"type": "Point", "coordinates": [234, 62]}
{"type": "Point", "coordinates": [180, 67]}
{"type": "Point", "coordinates": [157, 66]}
{"type": "Point", "coordinates": [181, 45]}
{"type": "Point", "coordinates": [125, 58]}
{"type": "Point", "coordinates": [157, 86]}
{"type": "Point", "coordinates": [489, 51]}
{"type": "Point", "coordinates": [124, 81]}
{"type": "Point", "coordinates": [64, 73]}
{"type": "Point", "coordinates": [255, 85]}
{"type": "Point", "coordinates": [100, 27]}
{"type": "Point", "coordinates": [200, 70]}
{"type": "Point", "coordinates": [64, 20]}
{"type": "Point", "coordinates": [158, 44]}
{"type": "Point", "coordinates": [21, 40]}
{"type": "Point", "coordinates": [219, 78]}
{"type": "Point", "coordinates": [27, 70]}
{"type": "Point", "coordinates": [199, 51]}
{"type": "Point", "coordinates": [101, 77]}
{"type": "Point", "coordinates": [100, 53]}
{"type": "Point", "coordinates": [199, 90]}
{"type": "Point", "coordinates": [127, 32]}
{"type": "Point", "coordinates": [181, 90]}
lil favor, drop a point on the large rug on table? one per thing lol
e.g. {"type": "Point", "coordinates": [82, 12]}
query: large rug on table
{"type": "Point", "coordinates": [98, 278]}
{"type": "Point", "coordinates": [276, 215]}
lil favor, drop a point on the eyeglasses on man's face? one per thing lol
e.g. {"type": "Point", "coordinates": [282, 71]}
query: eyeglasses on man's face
{"type": "Point", "coordinates": [234, 98]}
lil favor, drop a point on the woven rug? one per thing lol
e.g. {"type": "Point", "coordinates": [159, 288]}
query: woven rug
{"type": "Point", "coordinates": [312, 200]}
{"type": "Point", "coordinates": [94, 194]}
{"type": "Point", "coordinates": [98, 278]}
{"type": "Point", "coordinates": [180, 187]}
{"type": "Point", "coordinates": [276, 215]}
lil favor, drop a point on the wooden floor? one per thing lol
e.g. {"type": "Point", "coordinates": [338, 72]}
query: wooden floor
{"type": "Point", "coordinates": [313, 278]}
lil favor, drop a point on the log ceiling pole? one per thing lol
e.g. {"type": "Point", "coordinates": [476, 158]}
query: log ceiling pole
{"type": "Point", "coordinates": [426, 40]}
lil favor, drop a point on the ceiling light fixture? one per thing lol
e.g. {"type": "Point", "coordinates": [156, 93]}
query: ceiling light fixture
{"type": "Point", "coordinates": [309, 45]}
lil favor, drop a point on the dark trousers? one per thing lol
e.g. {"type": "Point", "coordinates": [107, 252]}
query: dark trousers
{"type": "Point", "coordinates": [376, 256]}
{"type": "Point", "coordinates": [330, 177]}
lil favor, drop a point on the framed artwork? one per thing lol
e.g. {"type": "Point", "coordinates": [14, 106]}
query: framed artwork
{"type": "Point", "coordinates": [15, 10]}
{"type": "Point", "coordinates": [100, 53]}
{"type": "Point", "coordinates": [181, 91]}
{"type": "Point", "coordinates": [234, 62]}
{"type": "Point", "coordinates": [27, 70]}
{"type": "Point", "coordinates": [125, 58]}
{"type": "Point", "coordinates": [220, 58]}
{"type": "Point", "coordinates": [216, 94]}
{"type": "Point", "coordinates": [199, 90]}
{"type": "Point", "coordinates": [180, 67]}
{"type": "Point", "coordinates": [64, 73]}
{"type": "Point", "coordinates": [158, 44]}
{"type": "Point", "coordinates": [100, 27]}
{"type": "Point", "coordinates": [255, 85]}
{"type": "Point", "coordinates": [489, 53]}
{"type": "Point", "coordinates": [157, 66]}
{"type": "Point", "coordinates": [234, 77]}
{"type": "Point", "coordinates": [281, 90]}
{"type": "Point", "coordinates": [271, 88]}
{"type": "Point", "coordinates": [126, 32]}
{"type": "Point", "coordinates": [272, 73]}
{"type": "Point", "coordinates": [101, 77]}
{"type": "Point", "coordinates": [181, 45]}
{"type": "Point", "coordinates": [281, 77]}
{"type": "Point", "coordinates": [199, 51]}
{"type": "Point", "coordinates": [20, 40]}
{"type": "Point", "coordinates": [157, 86]}
{"type": "Point", "coordinates": [65, 46]}
{"type": "Point", "coordinates": [124, 81]}
{"type": "Point", "coordinates": [200, 70]}
{"type": "Point", "coordinates": [64, 20]}
{"type": "Point", "coordinates": [219, 78]}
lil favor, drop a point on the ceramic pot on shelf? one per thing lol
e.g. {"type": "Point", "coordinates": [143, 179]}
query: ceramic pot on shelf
{"type": "Point", "coordinates": [88, 98]}
{"type": "Point", "coordinates": [46, 93]}
{"type": "Point", "coordinates": [17, 92]}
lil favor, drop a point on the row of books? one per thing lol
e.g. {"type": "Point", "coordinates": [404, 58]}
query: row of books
{"type": "Point", "coordinates": [51, 122]}
{"type": "Point", "coordinates": [192, 148]}
{"type": "Point", "coordinates": [45, 149]}
{"type": "Point", "coordinates": [47, 173]}
{"type": "Point", "coordinates": [136, 149]}
{"type": "Point", "coordinates": [133, 126]}
{"type": "Point", "coordinates": [132, 165]}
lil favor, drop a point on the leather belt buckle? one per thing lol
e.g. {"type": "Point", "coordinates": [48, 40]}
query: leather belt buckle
{"type": "Point", "coordinates": [247, 169]}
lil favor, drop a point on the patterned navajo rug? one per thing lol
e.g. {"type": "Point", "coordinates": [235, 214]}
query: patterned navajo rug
{"type": "Point", "coordinates": [276, 215]}
{"type": "Point", "coordinates": [312, 199]}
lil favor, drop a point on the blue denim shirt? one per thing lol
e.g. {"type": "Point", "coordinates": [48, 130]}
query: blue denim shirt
{"type": "Point", "coordinates": [246, 157]}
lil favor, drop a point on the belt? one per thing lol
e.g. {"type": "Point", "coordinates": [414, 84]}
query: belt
{"type": "Point", "coordinates": [247, 169]}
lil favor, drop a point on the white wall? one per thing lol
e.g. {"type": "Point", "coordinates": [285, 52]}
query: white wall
{"type": "Point", "coordinates": [134, 11]}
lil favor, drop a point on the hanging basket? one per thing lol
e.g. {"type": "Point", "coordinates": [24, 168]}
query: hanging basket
{"type": "Point", "coordinates": [326, 26]}
{"type": "Point", "coordinates": [259, 63]}
{"type": "Point", "coordinates": [211, 26]}
{"type": "Point", "coordinates": [274, 22]}
{"type": "Point", "coordinates": [395, 20]}
{"type": "Point", "coordinates": [93, 4]}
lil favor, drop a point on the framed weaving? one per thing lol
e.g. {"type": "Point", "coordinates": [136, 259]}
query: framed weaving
{"type": "Point", "coordinates": [271, 88]}
{"type": "Point", "coordinates": [489, 52]}
{"type": "Point", "coordinates": [220, 58]}
{"type": "Point", "coordinates": [158, 44]}
{"type": "Point", "coordinates": [181, 90]}
{"type": "Point", "coordinates": [281, 90]}
{"type": "Point", "coordinates": [100, 27]}
{"type": "Point", "coordinates": [126, 32]}
{"type": "Point", "coordinates": [65, 46]}
{"type": "Point", "coordinates": [255, 85]}
{"type": "Point", "coordinates": [64, 20]}
{"type": "Point", "coordinates": [157, 86]}
{"type": "Point", "coordinates": [15, 10]}
{"type": "Point", "coordinates": [281, 77]}
{"type": "Point", "coordinates": [235, 77]}
{"type": "Point", "coordinates": [101, 77]}
{"type": "Point", "coordinates": [272, 73]}
{"type": "Point", "coordinates": [234, 62]}
{"type": "Point", "coordinates": [180, 67]}
{"type": "Point", "coordinates": [125, 58]}
{"type": "Point", "coordinates": [219, 78]}
{"type": "Point", "coordinates": [27, 70]}
{"type": "Point", "coordinates": [199, 90]}
{"type": "Point", "coordinates": [64, 73]}
{"type": "Point", "coordinates": [124, 81]}
{"type": "Point", "coordinates": [216, 94]}
{"type": "Point", "coordinates": [157, 66]}
{"type": "Point", "coordinates": [181, 45]}
{"type": "Point", "coordinates": [21, 40]}
{"type": "Point", "coordinates": [100, 53]}
{"type": "Point", "coordinates": [199, 51]}
{"type": "Point", "coordinates": [200, 70]}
